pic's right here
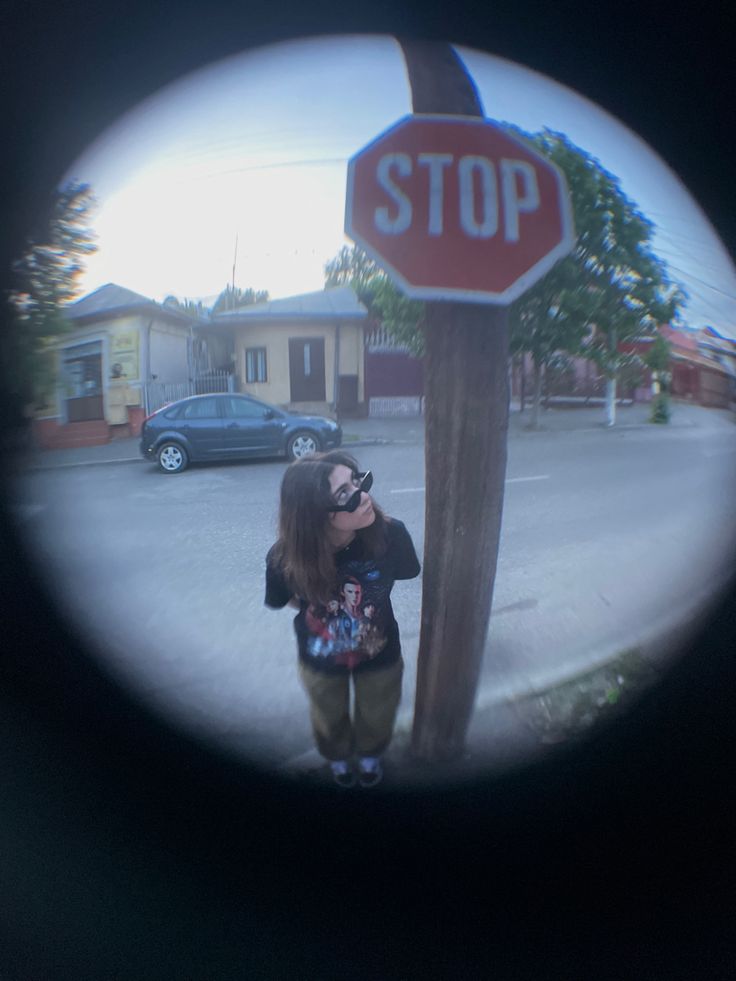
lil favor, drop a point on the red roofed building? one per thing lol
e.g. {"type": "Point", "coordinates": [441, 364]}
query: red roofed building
{"type": "Point", "coordinates": [699, 371]}
{"type": "Point", "coordinates": [702, 368]}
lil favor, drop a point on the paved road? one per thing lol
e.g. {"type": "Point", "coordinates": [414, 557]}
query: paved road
{"type": "Point", "coordinates": [609, 540]}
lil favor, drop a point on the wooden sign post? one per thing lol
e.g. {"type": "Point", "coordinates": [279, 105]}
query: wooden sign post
{"type": "Point", "coordinates": [467, 218]}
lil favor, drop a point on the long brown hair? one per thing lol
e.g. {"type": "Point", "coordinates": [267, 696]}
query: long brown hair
{"type": "Point", "coordinates": [303, 551]}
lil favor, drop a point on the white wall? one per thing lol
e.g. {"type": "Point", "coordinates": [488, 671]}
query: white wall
{"type": "Point", "coordinates": [168, 351]}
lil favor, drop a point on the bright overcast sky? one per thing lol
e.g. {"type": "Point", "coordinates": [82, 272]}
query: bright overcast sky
{"type": "Point", "coordinates": [257, 146]}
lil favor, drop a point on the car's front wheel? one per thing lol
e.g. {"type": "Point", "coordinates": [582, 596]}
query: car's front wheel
{"type": "Point", "coordinates": [172, 458]}
{"type": "Point", "coordinates": [301, 444]}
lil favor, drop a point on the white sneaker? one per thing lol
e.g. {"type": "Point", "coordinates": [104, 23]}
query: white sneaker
{"type": "Point", "coordinates": [342, 774]}
{"type": "Point", "coordinates": [370, 771]}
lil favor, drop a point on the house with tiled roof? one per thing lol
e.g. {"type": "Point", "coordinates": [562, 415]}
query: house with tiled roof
{"type": "Point", "coordinates": [117, 341]}
{"type": "Point", "coordinates": [722, 349]}
{"type": "Point", "coordinates": [702, 369]}
{"type": "Point", "coordinates": [301, 352]}
{"type": "Point", "coordinates": [702, 365]}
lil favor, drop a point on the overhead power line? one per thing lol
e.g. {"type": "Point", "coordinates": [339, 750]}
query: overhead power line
{"type": "Point", "coordinates": [696, 279]}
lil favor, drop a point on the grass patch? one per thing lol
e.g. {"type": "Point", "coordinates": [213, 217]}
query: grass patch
{"type": "Point", "coordinates": [598, 696]}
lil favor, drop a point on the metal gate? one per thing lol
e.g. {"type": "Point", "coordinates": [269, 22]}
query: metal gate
{"type": "Point", "coordinates": [157, 394]}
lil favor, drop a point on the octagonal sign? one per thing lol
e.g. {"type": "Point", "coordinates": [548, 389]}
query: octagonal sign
{"type": "Point", "coordinates": [454, 208]}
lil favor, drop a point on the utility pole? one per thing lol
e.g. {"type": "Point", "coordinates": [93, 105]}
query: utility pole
{"type": "Point", "coordinates": [465, 217]}
{"type": "Point", "coordinates": [235, 259]}
{"type": "Point", "coordinates": [466, 423]}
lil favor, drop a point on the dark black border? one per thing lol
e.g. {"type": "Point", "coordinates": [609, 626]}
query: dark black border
{"type": "Point", "coordinates": [128, 850]}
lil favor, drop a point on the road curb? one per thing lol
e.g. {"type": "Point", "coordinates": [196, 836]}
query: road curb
{"type": "Point", "coordinates": [62, 465]}
{"type": "Point", "coordinates": [368, 441]}
{"type": "Point", "coordinates": [83, 463]}
{"type": "Point", "coordinates": [517, 431]}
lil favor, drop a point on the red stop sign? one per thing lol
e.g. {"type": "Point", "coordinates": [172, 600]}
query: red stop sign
{"type": "Point", "coordinates": [454, 208]}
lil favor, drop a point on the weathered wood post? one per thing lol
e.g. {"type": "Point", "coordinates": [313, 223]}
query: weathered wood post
{"type": "Point", "coordinates": [465, 217]}
{"type": "Point", "coordinates": [466, 389]}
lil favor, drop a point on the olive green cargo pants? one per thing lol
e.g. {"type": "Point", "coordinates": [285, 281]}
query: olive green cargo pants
{"type": "Point", "coordinates": [377, 696]}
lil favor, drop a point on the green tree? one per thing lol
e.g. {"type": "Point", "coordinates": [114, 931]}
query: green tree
{"type": "Point", "coordinates": [542, 324]}
{"type": "Point", "coordinates": [233, 297]}
{"type": "Point", "coordinates": [192, 307]}
{"type": "Point", "coordinates": [612, 289]}
{"type": "Point", "coordinates": [657, 358]}
{"type": "Point", "coordinates": [353, 267]}
{"type": "Point", "coordinates": [401, 316]}
{"type": "Point", "coordinates": [47, 275]}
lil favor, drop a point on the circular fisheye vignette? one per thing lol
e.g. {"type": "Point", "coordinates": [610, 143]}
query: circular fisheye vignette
{"type": "Point", "coordinates": [246, 228]}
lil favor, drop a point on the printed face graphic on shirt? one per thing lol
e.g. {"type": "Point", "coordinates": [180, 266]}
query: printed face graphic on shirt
{"type": "Point", "coordinates": [352, 629]}
{"type": "Point", "coordinates": [353, 592]}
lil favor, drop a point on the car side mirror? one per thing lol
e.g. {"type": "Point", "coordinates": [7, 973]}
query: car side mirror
{"type": "Point", "coordinates": [268, 413]}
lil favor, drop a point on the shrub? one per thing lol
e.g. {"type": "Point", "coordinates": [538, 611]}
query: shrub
{"type": "Point", "coordinates": [660, 409]}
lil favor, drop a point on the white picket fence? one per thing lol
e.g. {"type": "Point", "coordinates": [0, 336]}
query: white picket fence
{"type": "Point", "coordinates": [379, 339]}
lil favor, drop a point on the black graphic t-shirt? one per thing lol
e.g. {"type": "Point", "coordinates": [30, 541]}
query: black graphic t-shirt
{"type": "Point", "coordinates": [357, 630]}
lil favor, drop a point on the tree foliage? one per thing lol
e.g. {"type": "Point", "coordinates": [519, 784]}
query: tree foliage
{"type": "Point", "coordinates": [47, 276]}
{"type": "Point", "coordinates": [195, 308]}
{"type": "Point", "coordinates": [657, 358]}
{"type": "Point", "coordinates": [229, 299]}
{"type": "Point", "coordinates": [233, 297]}
{"type": "Point", "coordinates": [401, 316]}
{"type": "Point", "coordinates": [611, 289]}
{"type": "Point", "coordinates": [353, 267]}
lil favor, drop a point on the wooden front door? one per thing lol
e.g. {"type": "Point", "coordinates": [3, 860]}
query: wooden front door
{"type": "Point", "coordinates": [307, 369]}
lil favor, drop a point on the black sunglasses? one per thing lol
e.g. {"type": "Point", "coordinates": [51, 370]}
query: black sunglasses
{"type": "Point", "coordinates": [365, 484]}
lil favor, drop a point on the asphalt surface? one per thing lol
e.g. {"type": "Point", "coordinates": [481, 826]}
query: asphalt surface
{"type": "Point", "coordinates": [499, 734]}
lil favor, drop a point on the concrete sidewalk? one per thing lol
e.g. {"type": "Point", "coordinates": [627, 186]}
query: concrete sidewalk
{"type": "Point", "coordinates": [569, 416]}
{"type": "Point", "coordinates": [372, 431]}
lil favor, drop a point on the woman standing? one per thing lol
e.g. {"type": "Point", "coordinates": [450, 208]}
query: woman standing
{"type": "Point", "coordinates": [338, 555]}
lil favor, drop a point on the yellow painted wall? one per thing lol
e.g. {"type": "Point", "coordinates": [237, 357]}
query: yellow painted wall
{"type": "Point", "coordinates": [351, 354]}
{"type": "Point", "coordinates": [275, 338]}
{"type": "Point", "coordinates": [124, 339]}
{"type": "Point", "coordinates": [95, 331]}
{"type": "Point", "coordinates": [125, 347]}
